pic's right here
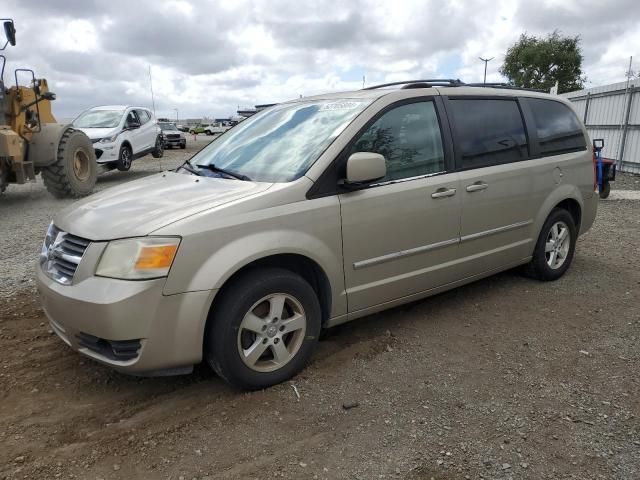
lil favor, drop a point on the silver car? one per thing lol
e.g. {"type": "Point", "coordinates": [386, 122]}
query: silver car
{"type": "Point", "coordinates": [313, 213]}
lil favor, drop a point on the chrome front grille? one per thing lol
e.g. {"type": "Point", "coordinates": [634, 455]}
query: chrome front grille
{"type": "Point", "coordinates": [61, 254]}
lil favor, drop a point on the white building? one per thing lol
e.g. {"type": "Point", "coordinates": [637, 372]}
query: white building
{"type": "Point", "coordinates": [612, 112]}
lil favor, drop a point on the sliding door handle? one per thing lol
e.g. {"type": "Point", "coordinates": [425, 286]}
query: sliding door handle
{"type": "Point", "coordinates": [476, 187]}
{"type": "Point", "coordinates": [443, 192]}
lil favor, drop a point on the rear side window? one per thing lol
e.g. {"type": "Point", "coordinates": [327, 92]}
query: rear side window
{"type": "Point", "coordinates": [559, 130]}
{"type": "Point", "coordinates": [409, 138]}
{"type": "Point", "coordinates": [488, 131]}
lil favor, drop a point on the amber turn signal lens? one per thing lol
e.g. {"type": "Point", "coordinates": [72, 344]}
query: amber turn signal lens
{"type": "Point", "coordinates": [155, 256]}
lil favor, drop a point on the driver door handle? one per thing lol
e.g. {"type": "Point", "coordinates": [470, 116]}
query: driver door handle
{"type": "Point", "coordinates": [476, 187]}
{"type": "Point", "coordinates": [443, 192]}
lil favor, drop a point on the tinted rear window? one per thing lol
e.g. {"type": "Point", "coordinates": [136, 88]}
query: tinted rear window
{"type": "Point", "coordinates": [558, 128]}
{"type": "Point", "coordinates": [489, 131]}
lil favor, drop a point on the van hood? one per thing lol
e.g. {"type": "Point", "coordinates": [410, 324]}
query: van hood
{"type": "Point", "coordinates": [97, 133]}
{"type": "Point", "coordinates": [142, 206]}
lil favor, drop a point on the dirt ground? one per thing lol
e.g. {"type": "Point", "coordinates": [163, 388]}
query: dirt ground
{"type": "Point", "coordinates": [507, 378]}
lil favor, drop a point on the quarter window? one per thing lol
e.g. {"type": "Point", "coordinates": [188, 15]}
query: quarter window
{"type": "Point", "coordinates": [558, 128]}
{"type": "Point", "coordinates": [489, 132]}
{"type": "Point", "coordinates": [409, 138]}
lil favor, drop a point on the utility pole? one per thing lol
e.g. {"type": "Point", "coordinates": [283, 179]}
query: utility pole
{"type": "Point", "coordinates": [176, 114]}
{"type": "Point", "coordinates": [153, 102]}
{"type": "Point", "coordinates": [485, 60]}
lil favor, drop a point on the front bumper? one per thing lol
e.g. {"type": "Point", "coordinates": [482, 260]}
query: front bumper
{"type": "Point", "coordinates": [175, 141]}
{"type": "Point", "coordinates": [106, 152]}
{"type": "Point", "coordinates": [119, 313]}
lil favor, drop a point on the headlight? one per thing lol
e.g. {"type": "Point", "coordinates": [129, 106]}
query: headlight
{"type": "Point", "coordinates": [109, 139]}
{"type": "Point", "coordinates": [138, 258]}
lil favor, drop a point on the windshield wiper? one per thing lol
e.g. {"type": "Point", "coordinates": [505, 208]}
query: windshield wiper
{"type": "Point", "coordinates": [189, 168]}
{"type": "Point", "coordinates": [229, 173]}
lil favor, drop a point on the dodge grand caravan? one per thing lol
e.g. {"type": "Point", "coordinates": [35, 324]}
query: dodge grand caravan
{"type": "Point", "coordinates": [312, 213]}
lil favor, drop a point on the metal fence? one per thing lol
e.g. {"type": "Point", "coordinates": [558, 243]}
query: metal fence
{"type": "Point", "coordinates": [612, 112]}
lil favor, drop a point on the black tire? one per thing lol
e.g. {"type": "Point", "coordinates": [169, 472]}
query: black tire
{"type": "Point", "coordinates": [75, 170]}
{"type": "Point", "coordinates": [539, 267]}
{"type": "Point", "coordinates": [125, 158]}
{"type": "Point", "coordinates": [223, 338]}
{"type": "Point", "coordinates": [158, 150]}
{"type": "Point", "coordinates": [183, 145]}
{"type": "Point", "coordinates": [606, 190]}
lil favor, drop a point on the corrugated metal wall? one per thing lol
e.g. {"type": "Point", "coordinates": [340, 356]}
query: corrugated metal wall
{"type": "Point", "coordinates": [612, 112]}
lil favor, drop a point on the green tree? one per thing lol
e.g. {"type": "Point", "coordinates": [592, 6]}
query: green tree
{"type": "Point", "coordinates": [534, 62]}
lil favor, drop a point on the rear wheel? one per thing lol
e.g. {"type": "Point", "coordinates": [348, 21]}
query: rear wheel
{"type": "Point", "coordinates": [125, 158]}
{"type": "Point", "coordinates": [264, 329]}
{"type": "Point", "coordinates": [75, 171]}
{"type": "Point", "coordinates": [606, 190]}
{"type": "Point", "coordinates": [555, 247]}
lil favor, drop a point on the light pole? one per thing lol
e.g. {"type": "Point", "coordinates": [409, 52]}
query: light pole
{"type": "Point", "coordinates": [176, 114]}
{"type": "Point", "coordinates": [485, 60]}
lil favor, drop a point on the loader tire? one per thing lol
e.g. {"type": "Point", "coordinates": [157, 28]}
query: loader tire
{"type": "Point", "coordinates": [4, 175]}
{"type": "Point", "coordinates": [75, 170]}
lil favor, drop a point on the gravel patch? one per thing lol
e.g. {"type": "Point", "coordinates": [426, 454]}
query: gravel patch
{"type": "Point", "coordinates": [626, 181]}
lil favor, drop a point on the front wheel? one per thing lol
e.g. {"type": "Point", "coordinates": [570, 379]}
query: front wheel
{"type": "Point", "coordinates": [158, 150]}
{"type": "Point", "coordinates": [74, 172]}
{"type": "Point", "coordinates": [183, 145]}
{"type": "Point", "coordinates": [264, 328]}
{"type": "Point", "coordinates": [606, 190]}
{"type": "Point", "coordinates": [555, 247]}
{"type": "Point", "coordinates": [125, 158]}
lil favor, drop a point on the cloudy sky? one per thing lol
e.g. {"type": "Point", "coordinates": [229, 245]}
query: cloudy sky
{"type": "Point", "coordinates": [209, 57]}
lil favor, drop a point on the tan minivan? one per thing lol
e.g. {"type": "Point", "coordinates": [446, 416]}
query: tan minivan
{"type": "Point", "coordinates": [312, 213]}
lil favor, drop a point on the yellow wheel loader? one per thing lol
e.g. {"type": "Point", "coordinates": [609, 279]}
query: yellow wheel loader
{"type": "Point", "coordinates": [32, 142]}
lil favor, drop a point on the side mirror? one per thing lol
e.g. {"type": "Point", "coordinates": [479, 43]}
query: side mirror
{"type": "Point", "coordinates": [364, 168]}
{"type": "Point", "coordinates": [10, 32]}
{"type": "Point", "coordinates": [133, 125]}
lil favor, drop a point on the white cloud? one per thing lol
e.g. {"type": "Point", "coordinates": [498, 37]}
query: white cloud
{"type": "Point", "coordinates": [210, 57]}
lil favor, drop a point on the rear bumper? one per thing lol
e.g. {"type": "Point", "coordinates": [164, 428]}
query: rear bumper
{"type": "Point", "coordinates": [130, 326]}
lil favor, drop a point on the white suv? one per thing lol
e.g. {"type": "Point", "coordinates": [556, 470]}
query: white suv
{"type": "Point", "coordinates": [121, 134]}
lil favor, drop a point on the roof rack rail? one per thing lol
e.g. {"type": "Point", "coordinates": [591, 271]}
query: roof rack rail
{"type": "Point", "coordinates": [434, 82]}
{"type": "Point", "coordinates": [502, 85]}
{"type": "Point", "coordinates": [450, 82]}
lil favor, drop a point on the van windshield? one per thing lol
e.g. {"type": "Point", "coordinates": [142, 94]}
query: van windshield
{"type": "Point", "coordinates": [99, 119]}
{"type": "Point", "coordinates": [281, 143]}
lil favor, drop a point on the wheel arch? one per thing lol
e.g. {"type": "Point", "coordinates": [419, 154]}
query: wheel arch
{"type": "Point", "coordinates": [43, 147]}
{"type": "Point", "coordinates": [126, 143]}
{"type": "Point", "coordinates": [297, 263]}
{"type": "Point", "coordinates": [574, 208]}
{"type": "Point", "coordinates": [565, 196]}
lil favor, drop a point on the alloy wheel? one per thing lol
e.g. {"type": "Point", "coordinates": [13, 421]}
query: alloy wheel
{"type": "Point", "coordinates": [271, 332]}
{"type": "Point", "coordinates": [557, 245]}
